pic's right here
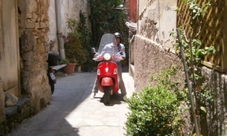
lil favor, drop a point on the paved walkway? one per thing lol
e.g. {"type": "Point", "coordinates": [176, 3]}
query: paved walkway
{"type": "Point", "coordinates": [72, 112]}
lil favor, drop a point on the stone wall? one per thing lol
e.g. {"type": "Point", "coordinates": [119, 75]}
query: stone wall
{"type": "Point", "coordinates": [151, 58]}
{"type": "Point", "coordinates": [156, 19]}
{"type": "Point", "coordinates": [35, 40]}
{"type": "Point", "coordinates": [14, 115]}
{"type": "Point", "coordinates": [216, 84]}
{"type": "Point", "coordinates": [59, 11]}
{"type": "Point", "coordinates": [152, 53]}
{"type": "Point", "coordinates": [35, 90]}
{"type": "Point", "coordinates": [152, 46]}
{"type": "Point", "coordinates": [34, 26]}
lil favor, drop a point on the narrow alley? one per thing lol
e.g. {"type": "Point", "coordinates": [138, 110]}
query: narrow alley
{"type": "Point", "coordinates": [72, 112]}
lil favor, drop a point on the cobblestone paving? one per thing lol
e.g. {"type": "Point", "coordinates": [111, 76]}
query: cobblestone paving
{"type": "Point", "coordinates": [72, 112]}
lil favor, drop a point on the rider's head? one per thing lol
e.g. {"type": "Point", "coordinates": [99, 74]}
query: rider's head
{"type": "Point", "coordinates": [118, 37]}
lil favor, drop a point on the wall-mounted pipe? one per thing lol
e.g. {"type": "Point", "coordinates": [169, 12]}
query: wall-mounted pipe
{"type": "Point", "coordinates": [59, 28]}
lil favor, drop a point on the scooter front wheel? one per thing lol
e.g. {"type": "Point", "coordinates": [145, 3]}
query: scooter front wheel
{"type": "Point", "coordinates": [106, 97]}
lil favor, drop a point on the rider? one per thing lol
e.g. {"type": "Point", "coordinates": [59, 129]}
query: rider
{"type": "Point", "coordinates": [121, 49]}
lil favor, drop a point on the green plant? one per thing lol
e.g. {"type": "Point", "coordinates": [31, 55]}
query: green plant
{"type": "Point", "coordinates": [154, 110]}
{"type": "Point", "coordinates": [194, 52]}
{"type": "Point", "coordinates": [74, 50]}
{"type": "Point", "coordinates": [64, 61]}
{"type": "Point", "coordinates": [86, 42]}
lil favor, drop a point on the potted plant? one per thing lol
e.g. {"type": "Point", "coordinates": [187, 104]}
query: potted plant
{"type": "Point", "coordinates": [74, 50]}
{"type": "Point", "coordinates": [70, 67]}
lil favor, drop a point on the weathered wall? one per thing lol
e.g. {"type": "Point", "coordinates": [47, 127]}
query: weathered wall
{"type": "Point", "coordinates": [52, 34]}
{"type": "Point", "coordinates": [27, 47]}
{"type": "Point", "coordinates": [151, 55]}
{"type": "Point", "coordinates": [59, 11]}
{"type": "Point", "coordinates": [9, 54]}
{"type": "Point", "coordinates": [36, 36]}
{"type": "Point", "coordinates": [152, 46]}
{"type": "Point", "coordinates": [156, 19]}
{"type": "Point", "coordinates": [150, 58]}
{"type": "Point", "coordinates": [216, 120]}
{"type": "Point", "coordinates": [9, 50]}
{"type": "Point", "coordinates": [34, 26]}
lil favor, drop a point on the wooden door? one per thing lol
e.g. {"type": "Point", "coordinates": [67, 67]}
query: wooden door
{"type": "Point", "coordinates": [9, 48]}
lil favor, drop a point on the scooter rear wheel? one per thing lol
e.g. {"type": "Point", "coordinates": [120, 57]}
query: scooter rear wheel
{"type": "Point", "coordinates": [106, 97]}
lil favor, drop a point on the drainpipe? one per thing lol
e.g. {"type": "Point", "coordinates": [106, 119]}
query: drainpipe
{"type": "Point", "coordinates": [59, 28]}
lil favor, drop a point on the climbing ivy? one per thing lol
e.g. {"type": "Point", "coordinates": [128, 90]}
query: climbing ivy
{"type": "Point", "coordinates": [194, 52]}
{"type": "Point", "coordinates": [86, 41]}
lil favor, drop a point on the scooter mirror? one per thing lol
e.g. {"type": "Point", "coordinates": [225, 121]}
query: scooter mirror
{"type": "Point", "coordinates": [93, 50]}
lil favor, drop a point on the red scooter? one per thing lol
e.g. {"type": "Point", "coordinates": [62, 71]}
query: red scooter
{"type": "Point", "coordinates": [107, 75]}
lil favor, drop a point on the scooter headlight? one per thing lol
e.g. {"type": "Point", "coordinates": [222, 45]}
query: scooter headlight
{"type": "Point", "coordinates": [107, 56]}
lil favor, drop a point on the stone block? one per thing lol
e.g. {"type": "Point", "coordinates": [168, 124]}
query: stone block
{"type": "Point", "coordinates": [46, 38]}
{"type": "Point", "coordinates": [35, 37]}
{"type": "Point", "coordinates": [34, 17]}
{"type": "Point", "coordinates": [27, 55]}
{"type": "Point", "coordinates": [41, 34]}
{"type": "Point", "coordinates": [41, 49]}
{"type": "Point", "coordinates": [45, 8]}
{"type": "Point", "coordinates": [38, 19]}
{"type": "Point", "coordinates": [11, 111]}
{"type": "Point", "coordinates": [42, 17]}
{"type": "Point", "coordinates": [47, 24]}
{"type": "Point", "coordinates": [27, 41]}
{"type": "Point", "coordinates": [42, 25]}
{"type": "Point", "coordinates": [39, 41]}
{"type": "Point", "coordinates": [42, 10]}
{"type": "Point", "coordinates": [46, 17]}
{"type": "Point", "coordinates": [31, 6]}
{"type": "Point", "coordinates": [45, 2]}
{"type": "Point", "coordinates": [28, 15]}
{"type": "Point", "coordinates": [29, 24]}
{"type": "Point", "coordinates": [36, 26]}
{"type": "Point", "coordinates": [11, 100]}
{"type": "Point", "coordinates": [21, 102]}
{"type": "Point", "coordinates": [34, 32]}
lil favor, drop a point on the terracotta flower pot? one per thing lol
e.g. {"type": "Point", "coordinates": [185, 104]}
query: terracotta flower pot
{"type": "Point", "coordinates": [70, 68]}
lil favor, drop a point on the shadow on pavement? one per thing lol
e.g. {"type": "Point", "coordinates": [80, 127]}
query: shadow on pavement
{"type": "Point", "coordinates": [69, 112]}
{"type": "Point", "coordinates": [114, 99]}
{"type": "Point", "coordinates": [57, 118]}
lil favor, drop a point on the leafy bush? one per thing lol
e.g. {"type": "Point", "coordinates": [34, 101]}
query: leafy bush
{"type": "Point", "coordinates": [154, 110]}
{"type": "Point", "coordinates": [64, 61]}
{"type": "Point", "coordinates": [74, 50]}
{"type": "Point", "coordinates": [86, 42]}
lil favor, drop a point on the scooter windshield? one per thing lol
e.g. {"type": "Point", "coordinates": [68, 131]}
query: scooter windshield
{"type": "Point", "coordinates": [108, 45]}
